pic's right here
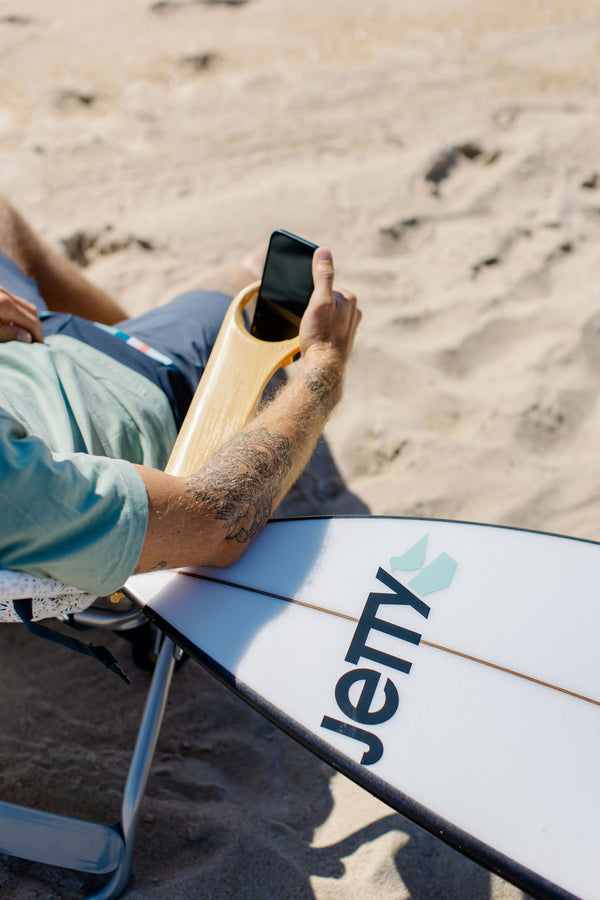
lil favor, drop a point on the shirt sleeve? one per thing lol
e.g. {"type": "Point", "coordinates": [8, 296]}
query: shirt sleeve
{"type": "Point", "coordinates": [75, 517]}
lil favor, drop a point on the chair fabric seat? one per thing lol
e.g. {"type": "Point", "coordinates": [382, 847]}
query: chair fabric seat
{"type": "Point", "coordinates": [51, 599]}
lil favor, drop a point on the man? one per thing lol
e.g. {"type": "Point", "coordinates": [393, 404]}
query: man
{"type": "Point", "coordinates": [87, 420]}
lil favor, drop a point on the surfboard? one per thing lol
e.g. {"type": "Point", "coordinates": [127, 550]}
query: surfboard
{"type": "Point", "coordinates": [450, 669]}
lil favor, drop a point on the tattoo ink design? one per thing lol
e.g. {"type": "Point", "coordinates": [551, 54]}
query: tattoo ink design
{"type": "Point", "coordinates": [242, 481]}
{"type": "Point", "coordinates": [325, 387]}
{"type": "Point", "coordinates": [157, 567]}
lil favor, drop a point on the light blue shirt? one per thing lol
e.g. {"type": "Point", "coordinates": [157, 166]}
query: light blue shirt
{"type": "Point", "coordinates": [72, 422]}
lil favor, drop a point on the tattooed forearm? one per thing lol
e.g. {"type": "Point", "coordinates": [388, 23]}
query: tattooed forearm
{"type": "Point", "coordinates": [242, 481]}
{"type": "Point", "coordinates": [324, 384]}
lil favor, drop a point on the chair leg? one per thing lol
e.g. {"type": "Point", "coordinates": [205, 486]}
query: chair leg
{"type": "Point", "coordinates": [140, 768]}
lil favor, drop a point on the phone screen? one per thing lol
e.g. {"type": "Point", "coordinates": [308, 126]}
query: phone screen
{"type": "Point", "coordinates": [285, 289]}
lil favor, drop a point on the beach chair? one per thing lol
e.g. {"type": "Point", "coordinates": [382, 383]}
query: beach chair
{"type": "Point", "coordinates": [237, 372]}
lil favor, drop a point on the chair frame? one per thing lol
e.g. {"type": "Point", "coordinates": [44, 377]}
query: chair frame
{"type": "Point", "coordinates": [88, 846]}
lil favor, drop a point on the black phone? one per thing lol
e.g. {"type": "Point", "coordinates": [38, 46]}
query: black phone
{"type": "Point", "coordinates": [285, 289]}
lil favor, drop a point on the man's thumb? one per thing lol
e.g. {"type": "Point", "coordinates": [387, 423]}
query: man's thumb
{"type": "Point", "coordinates": [11, 332]}
{"type": "Point", "coordinates": [323, 268]}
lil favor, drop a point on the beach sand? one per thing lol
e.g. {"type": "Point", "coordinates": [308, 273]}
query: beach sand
{"type": "Point", "coordinates": [448, 154]}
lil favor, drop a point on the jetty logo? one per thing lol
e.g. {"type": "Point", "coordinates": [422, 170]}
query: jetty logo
{"type": "Point", "coordinates": [356, 703]}
{"type": "Point", "coordinates": [430, 578]}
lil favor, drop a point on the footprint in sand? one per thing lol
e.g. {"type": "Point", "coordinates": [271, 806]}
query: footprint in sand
{"type": "Point", "coordinates": [553, 418]}
{"type": "Point", "coordinates": [15, 19]}
{"type": "Point", "coordinates": [496, 338]}
{"type": "Point", "coordinates": [447, 160]}
{"type": "Point", "coordinates": [83, 247]}
{"type": "Point", "coordinates": [590, 342]}
{"type": "Point", "coordinates": [198, 62]}
{"type": "Point", "coordinates": [75, 98]}
{"type": "Point", "coordinates": [169, 5]}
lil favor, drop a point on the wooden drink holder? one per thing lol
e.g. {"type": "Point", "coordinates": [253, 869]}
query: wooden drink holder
{"type": "Point", "coordinates": [237, 372]}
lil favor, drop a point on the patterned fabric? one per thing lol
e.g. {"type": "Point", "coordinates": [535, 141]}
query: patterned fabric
{"type": "Point", "coordinates": [51, 599]}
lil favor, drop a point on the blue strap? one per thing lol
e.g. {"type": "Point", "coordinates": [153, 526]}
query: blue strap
{"type": "Point", "coordinates": [24, 610]}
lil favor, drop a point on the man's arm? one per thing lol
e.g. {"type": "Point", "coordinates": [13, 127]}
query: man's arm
{"type": "Point", "coordinates": [210, 517]}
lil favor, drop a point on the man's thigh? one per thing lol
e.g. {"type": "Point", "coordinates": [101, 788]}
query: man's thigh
{"type": "Point", "coordinates": [185, 330]}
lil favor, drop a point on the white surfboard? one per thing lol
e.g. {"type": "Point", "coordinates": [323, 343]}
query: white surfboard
{"type": "Point", "coordinates": [451, 669]}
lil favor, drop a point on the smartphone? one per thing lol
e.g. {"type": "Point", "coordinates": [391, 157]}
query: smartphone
{"type": "Point", "coordinates": [285, 289]}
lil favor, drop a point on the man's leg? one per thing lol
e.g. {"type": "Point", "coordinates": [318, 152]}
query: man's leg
{"type": "Point", "coordinates": [64, 288]}
{"type": "Point", "coordinates": [61, 284]}
{"type": "Point", "coordinates": [228, 280]}
{"type": "Point", "coordinates": [235, 278]}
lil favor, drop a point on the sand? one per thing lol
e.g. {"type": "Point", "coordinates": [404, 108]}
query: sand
{"type": "Point", "coordinates": [448, 153]}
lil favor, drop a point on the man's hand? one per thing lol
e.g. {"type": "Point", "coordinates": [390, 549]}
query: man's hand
{"type": "Point", "coordinates": [19, 319]}
{"type": "Point", "coordinates": [327, 334]}
{"type": "Point", "coordinates": [331, 318]}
